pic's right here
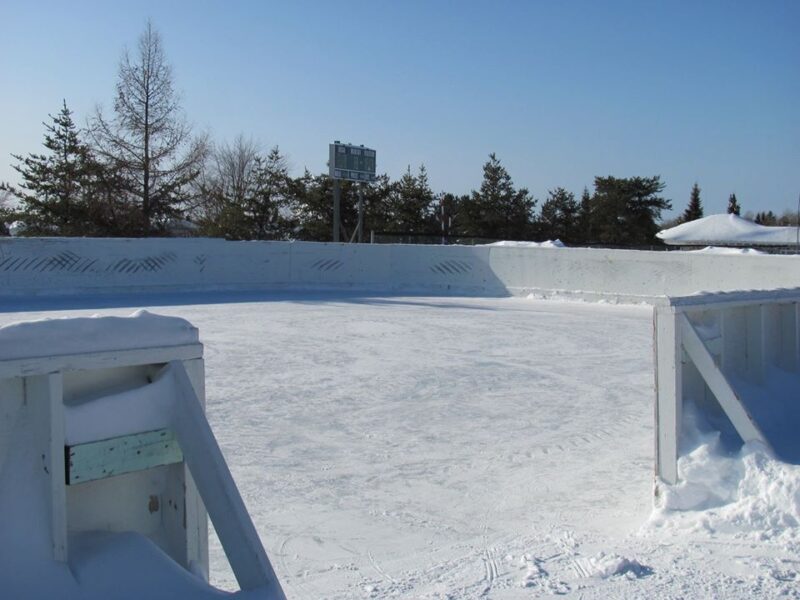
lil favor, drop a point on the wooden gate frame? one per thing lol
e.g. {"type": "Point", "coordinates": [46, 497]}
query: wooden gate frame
{"type": "Point", "coordinates": [754, 330]}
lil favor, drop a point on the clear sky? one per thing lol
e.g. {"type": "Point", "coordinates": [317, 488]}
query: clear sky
{"type": "Point", "coordinates": [562, 91]}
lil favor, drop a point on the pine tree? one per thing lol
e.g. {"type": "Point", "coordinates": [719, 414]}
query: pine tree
{"type": "Point", "coordinates": [733, 206]}
{"type": "Point", "coordinates": [585, 218]}
{"type": "Point", "coordinates": [625, 211]}
{"type": "Point", "coordinates": [313, 207]}
{"type": "Point", "coordinates": [766, 218]}
{"type": "Point", "coordinates": [56, 185]}
{"type": "Point", "coordinates": [247, 195]}
{"type": "Point", "coordinates": [409, 207]}
{"type": "Point", "coordinates": [447, 214]}
{"type": "Point", "coordinates": [559, 216]}
{"type": "Point", "coordinates": [498, 210]}
{"type": "Point", "coordinates": [268, 206]}
{"type": "Point", "coordinates": [694, 210]}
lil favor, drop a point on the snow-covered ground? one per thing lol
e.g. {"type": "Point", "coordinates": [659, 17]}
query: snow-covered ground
{"type": "Point", "coordinates": [459, 448]}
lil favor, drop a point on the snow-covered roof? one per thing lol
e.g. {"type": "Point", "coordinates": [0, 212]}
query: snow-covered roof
{"type": "Point", "coordinates": [727, 230]}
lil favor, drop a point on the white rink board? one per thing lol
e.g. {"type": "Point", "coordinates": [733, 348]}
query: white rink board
{"type": "Point", "coordinates": [45, 266]}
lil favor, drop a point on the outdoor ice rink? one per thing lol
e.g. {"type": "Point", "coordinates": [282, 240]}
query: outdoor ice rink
{"type": "Point", "coordinates": [419, 447]}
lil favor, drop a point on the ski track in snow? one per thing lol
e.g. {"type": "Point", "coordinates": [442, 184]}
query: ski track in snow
{"type": "Point", "coordinates": [453, 448]}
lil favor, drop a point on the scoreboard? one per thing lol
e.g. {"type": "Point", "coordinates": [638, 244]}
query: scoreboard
{"type": "Point", "coordinates": [353, 163]}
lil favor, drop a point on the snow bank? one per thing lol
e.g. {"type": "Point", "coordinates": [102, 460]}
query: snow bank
{"type": "Point", "coordinates": [54, 337]}
{"type": "Point", "coordinates": [513, 244]}
{"type": "Point", "coordinates": [747, 494]}
{"type": "Point", "coordinates": [728, 229]}
{"type": "Point", "coordinates": [734, 251]}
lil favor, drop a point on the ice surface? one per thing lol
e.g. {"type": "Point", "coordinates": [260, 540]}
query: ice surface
{"type": "Point", "coordinates": [459, 448]}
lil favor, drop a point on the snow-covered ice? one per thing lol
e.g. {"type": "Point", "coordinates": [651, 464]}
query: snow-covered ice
{"type": "Point", "coordinates": [461, 448]}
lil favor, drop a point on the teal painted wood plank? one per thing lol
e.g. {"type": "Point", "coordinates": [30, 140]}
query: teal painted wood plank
{"type": "Point", "coordinates": [125, 454]}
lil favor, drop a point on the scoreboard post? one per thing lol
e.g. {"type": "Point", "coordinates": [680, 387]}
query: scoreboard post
{"type": "Point", "coordinates": [350, 163]}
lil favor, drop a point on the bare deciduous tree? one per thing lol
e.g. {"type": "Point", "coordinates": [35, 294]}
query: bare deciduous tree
{"type": "Point", "coordinates": [148, 139]}
{"type": "Point", "coordinates": [233, 168]}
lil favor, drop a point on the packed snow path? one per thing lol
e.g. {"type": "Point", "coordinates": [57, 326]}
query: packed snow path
{"type": "Point", "coordinates": [453, 448]}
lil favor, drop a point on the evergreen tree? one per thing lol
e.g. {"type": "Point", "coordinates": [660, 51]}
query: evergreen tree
{"type": "Point", "coordinates": [56, 189]}
{"type": "Point", "coordinates": [247, 196]}
{"type": "Point", "coordinates": [624, 211]}
{"type": "Point", "coordinates": [378, 195]}
{"type": "Point", "coordinates": [409, 207]}
{"type": "Point", "coordinates": [6, 212]}
{"type": "Point", "coordinates": [733, 205]}
{"type": "Point", "coordinates": [268, 208]}
{"type": "Point", "coordinates": [585, 218]}
{"type": "Point", "coordinates": [766, 218]}
{"type": "Point", "coordinates": [559, 216]}
{"type": "Point", "coordinates": [498, 210]}
{"type": "Point", "coordinates": [313, 208]}
{"type": "Point", "coordinates": [448, 215]}
{"type": "Point", "coordinates": [789, 218]}
{"type": "Point", "coordinates": [694, 210]}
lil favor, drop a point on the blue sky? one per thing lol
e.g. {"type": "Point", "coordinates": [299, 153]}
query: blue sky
{"type": "Point", "coordinates": [562, 91]}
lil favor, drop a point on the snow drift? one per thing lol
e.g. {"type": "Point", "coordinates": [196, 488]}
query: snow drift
{"type": "Point", "coordinates": [746, 494]}
{"type": "Point", "coordinates": [727, 229]}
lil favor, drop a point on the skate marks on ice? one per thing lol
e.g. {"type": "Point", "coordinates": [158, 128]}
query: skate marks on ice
{"type": "Point", "coordinates": [530, 567]}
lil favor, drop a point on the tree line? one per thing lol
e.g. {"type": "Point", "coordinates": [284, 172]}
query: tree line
{"type": "Point", "coordinates": [141, 171]}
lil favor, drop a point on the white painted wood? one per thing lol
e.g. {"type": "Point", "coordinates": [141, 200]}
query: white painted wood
{"type": "Point", "coordinates": [771, 333]}
{"type": "Point", "coordinates": [98, 360]}
{"type": "Point", "coordinates": [754, 343]}
{"type": "Point", "coordinates": [162, 503]}
{"type": "Point", "coordinates": [196, 516]}
{"type": "Point", "coordinates": [221, 497]}
{"type": "Point", "coordinates": [734, 340]}
{"type": "Point", "coordinates": [718, 383]}
{"type": "Point", "coordinates": [174, 521]}
{"type": "Point", "coordinates": [129, 502]}
{"type": "Point", "coordinates": [43, 395]}
{"type": "Point", "coordinates": [790, 324]}
{"type": "Point", "coordinates": [720, 300]}
{"type": "Point", "coordinates": [668, 393]}
{"type": "Point", "coordinates": [12, 397]}
{"type": "Point", "coordinates": [797, 335]}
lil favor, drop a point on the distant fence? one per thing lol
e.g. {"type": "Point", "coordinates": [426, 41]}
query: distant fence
{"type": "Point", "coordinates": [42, 266]}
